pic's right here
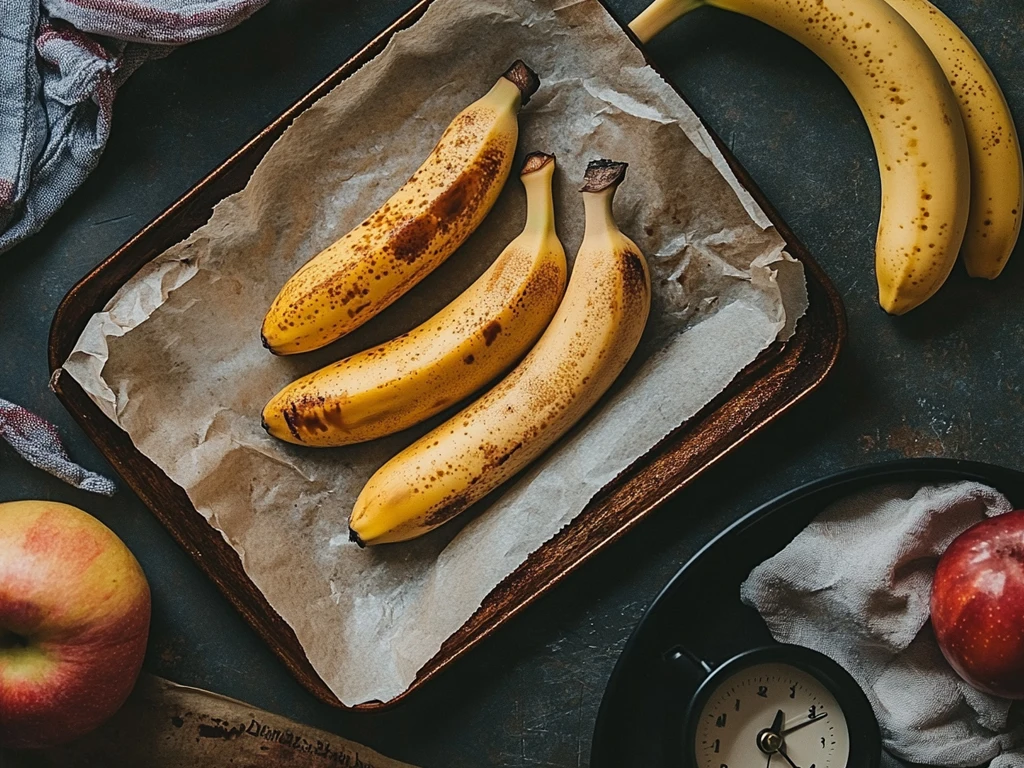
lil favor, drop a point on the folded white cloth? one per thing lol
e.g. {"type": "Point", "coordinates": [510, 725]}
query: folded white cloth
{"type": "Point", "coordinates": [855, 585]}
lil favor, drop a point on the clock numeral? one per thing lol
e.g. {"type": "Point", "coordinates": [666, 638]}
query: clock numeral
{"type": "Point", "coordinates": [822, 742]}
{"type": "Point", "coordinates": [737, 705]}
{"type": "Point", "coordinates": [762, 691]}
{"type": "Point", "coordinates": [812, 711]}
{"type": "Point", "coordinates": [792, 691]}
{"type": "Point", "coordinates": [720, 722]}
{"type": "Point", "coordinates": [717, 745]}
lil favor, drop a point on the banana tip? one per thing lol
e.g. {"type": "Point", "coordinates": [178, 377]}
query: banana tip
{"type": "Point", "coordinates": [987, 273]}
{"type": "Point", "coordinates": [896, 308]}
{"type": "Point", "coordinates": [525, 79]}
{"type": "Point", "coordinates": [353, 536]}
{"type": "Point", "coordinates": [602, 174]}
{"type": "Point", "coordinates": [535, 161]}
{"type": "Point", "coordinates": [270, 348]}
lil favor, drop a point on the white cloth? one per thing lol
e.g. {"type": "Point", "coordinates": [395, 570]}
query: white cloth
{"type": "Point", "coordinates": [855, 585]}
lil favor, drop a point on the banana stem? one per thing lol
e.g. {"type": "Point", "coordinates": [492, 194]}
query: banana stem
{"type": "Point", "coordinates": [659, 15]}
{"type": "Point", "coordinates": [600, 181]}
{"type": "Point", "coordinates": [540, 207]}
{"type": "Point", "coordinates": [598, 208]}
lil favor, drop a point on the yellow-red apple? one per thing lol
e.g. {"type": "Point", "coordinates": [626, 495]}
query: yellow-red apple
{"type": "Point", "coordinates": [74, 618]}
{"type": "Point", "coordinates": [978, 605]}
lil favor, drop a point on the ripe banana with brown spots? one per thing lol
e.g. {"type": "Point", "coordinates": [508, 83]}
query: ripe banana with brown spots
{"type": "Point", "coordinates": [997, 175]}
{"type": "Point", "coordinates": [914, 121]}
{"type": "Point", "coordinates": [465, 346]}
{"type": "Point", "coordinates": [591, 338]}
{"type": "Point", "coordinates": [419, 227]}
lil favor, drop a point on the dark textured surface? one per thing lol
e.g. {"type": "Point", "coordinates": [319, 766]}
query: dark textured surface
{"type": "Point", "coordinates": [944, 381]}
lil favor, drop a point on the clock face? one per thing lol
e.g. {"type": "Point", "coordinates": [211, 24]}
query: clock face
{"type": "Point", "coordinates": [743, 706]}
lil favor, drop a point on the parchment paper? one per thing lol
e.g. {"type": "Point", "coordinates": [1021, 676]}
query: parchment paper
{"type": "Point", "coordinates": [175, 359]}
{"type": "Point", "coordinates": [165, 725]}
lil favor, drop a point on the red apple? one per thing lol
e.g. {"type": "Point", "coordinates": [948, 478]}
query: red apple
{"type": "Point", "coordinates": [978, 605]}
{"type": "Point", "coordinates": [74, 617]}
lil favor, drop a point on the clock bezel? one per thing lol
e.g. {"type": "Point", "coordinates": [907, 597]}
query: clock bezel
{"type": "Point", "coordinates": [865, 736]}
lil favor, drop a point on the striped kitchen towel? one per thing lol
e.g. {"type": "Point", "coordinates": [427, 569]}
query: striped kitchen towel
{"type": "Point", "coordinates": [61, 62]}
{"type": "Point", "coordinates": [38, 442]}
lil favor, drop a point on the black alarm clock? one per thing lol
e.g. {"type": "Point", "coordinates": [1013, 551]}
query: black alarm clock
{"type": "Point", "coordinates": [777, 706]}
{"type": "Point", "coordinates": [663, 705]}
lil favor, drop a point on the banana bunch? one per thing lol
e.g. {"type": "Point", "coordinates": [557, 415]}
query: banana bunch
{"type": "Point", "coordinates": [593, 334]}
{"type": "Point", "coordinates": [575, 345]}
{"type": "Point", "coordinates": [465, 346]}
{"type": "Point", "coordinates": [948, 154]}
{"type": "Point", "coordinates": [419, 227]}
{"type": "Point", "coordinates": [997, 176]}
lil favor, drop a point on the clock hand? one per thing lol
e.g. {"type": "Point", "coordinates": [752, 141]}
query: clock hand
{"type": "Point", "coordinates": [780, 718]}
{"type": "Point", "coordinates": [802, 723]}
{"type": "Point", "coordinates": [782, 751]}
{"type": "Point", "coordinates": [769, 741]}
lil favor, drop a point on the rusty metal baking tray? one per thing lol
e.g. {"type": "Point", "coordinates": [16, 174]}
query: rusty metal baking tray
{"type": "Point", "coordinates": [781, 376]}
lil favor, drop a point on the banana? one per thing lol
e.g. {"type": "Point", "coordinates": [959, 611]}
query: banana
{"type": "Point", "coordinates": [913, 118]}
{"type": "Point", "coordinates": [997, 175]}
{"type": "Point", "coordinates": [419, 227]}
{"type": "Point", "coordinates": [591, 338]}
{"type": "Point", "coordinates": [466, 345]}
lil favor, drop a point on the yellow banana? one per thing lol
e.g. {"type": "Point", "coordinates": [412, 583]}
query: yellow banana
{"type": "Point", "coordinates": [422, 224]}
{"type": "Point", "coordinates": [466, 345]}
{"type": "Point", "coordinates": [914, 121]}
{"type": "Point", "coordinates": [997, 176]}
{"type": "Point", "coordinates": [591, 338]}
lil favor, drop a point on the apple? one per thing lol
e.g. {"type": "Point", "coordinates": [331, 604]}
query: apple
{"type": "Point", "coordinates": [74, 618]}
{"type": "Point", "coordinates": [977, 605]}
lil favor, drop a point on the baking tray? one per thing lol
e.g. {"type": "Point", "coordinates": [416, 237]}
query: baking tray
{"type": "Point", "coordinates": [700, 609]}
{"type": "Point", "coordinates": [781, 376]}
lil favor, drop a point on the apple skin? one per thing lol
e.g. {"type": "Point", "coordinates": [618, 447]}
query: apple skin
{"type": "Point", "coordinates": [74, 619]}
{"type": "Point", "coordinates": [977, 605]}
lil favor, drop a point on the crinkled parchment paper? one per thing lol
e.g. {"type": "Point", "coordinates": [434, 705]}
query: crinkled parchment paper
{"type": "Point", "coordinates": [175, 359]}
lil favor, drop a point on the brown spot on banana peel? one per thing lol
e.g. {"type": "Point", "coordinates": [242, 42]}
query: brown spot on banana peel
{"type": "Point", "coordinates": [453, 508]}
{"type": "Point", "coordinates": [491, 331]}
{"type": "Point", "coordinates": [412, 238]}
{"type": "Point", "coordinates": [290, 416]}
{"type": "Point", "coordinates": [634, 276]}
{"type": "Point", "coordinates": [460, 502]}
{"type": "Point", "coordinates": [497, 461]}
{"type": "Point", "coordinates": [311, 414]}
